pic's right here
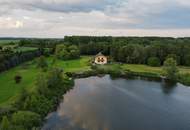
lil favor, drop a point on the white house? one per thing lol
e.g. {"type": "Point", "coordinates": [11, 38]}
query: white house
{"type": "Point", "coordinates": [100, 59]}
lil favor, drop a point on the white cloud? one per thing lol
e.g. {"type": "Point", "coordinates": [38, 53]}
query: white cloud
{"type": "Point", "coordinates": [55, 18]}
{"type": "Point", "coordinates": [10, 23]}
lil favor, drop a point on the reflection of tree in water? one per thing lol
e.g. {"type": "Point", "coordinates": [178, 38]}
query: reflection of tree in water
{"type": "Point", "coordinates": [168, 86]}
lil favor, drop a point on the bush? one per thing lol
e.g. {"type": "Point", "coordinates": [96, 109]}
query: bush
{"type": "Point", "coordinates": [153, 61]}
{"type": "Point", "coordinates": [175, 57]}
{"type": "Point", "coordinates": [185, 78]}
{"type": "Point", "coordinates": [26, 119]}
{"type": "Point", "coordinates": [18, 79]}
{"type": "Point", "coordinates": [170, 69]}
{"type": "Point", "coordinates": [42, 63]}
{"type": "Point", "coordinates": [38, 104]}
{"type": "Point", "coordinates": [5, 125]}
{"type": "Point", "coordinates": [64, 52]}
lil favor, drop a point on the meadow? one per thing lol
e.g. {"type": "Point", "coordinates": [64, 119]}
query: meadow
{"type": "Point", "coordinates": [3, 42]}
{"type": "Point", "coordinates": [29, 72]}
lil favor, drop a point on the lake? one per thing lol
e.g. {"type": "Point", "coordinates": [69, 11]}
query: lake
{"type": "Point", "coordinates": [102, 103]}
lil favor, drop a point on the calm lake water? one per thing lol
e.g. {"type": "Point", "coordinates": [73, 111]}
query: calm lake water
{"type": "Point", "coordinates": [100, 103]}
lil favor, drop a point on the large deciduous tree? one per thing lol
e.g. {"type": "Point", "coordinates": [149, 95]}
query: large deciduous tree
{"type": "Point", "coordinates": [170, 69]}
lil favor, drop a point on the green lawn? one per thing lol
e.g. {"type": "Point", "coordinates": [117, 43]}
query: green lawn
{"type": "Point", "coordinates": [156, 70]}
{"type": "Point", "coordinates": [9, 89]}
{"type": "Point", "coordinates": [142, 68]}
{"type": "Point", "coordinates": [81, 64]}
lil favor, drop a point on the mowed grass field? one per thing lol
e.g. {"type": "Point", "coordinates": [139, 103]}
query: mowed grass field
{"type": "Point", "coordinates": [156, 70]}
{"type": "Point", "coordinates": [29, 72]}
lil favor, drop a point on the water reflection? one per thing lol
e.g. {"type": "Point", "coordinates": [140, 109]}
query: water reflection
{"type": "Point", "coordinates": [100, 103]}
{"type": "Point", "coordinates": [168, 87]}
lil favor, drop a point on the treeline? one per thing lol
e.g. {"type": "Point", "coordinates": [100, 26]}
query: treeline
{"type": "Point", "coordinates": [40, 43]}
{"type": "Point", "coordinates": [135, 50]}
{"type": "Point", "coordinates": [9, 59]}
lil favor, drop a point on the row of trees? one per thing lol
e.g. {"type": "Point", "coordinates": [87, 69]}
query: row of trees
{"type": "Point", "coordinates": [136, 50]}
{"type": "Point", "coordinates": [140, 54]}
{"type": "Point", "coordinates": [11, 59]}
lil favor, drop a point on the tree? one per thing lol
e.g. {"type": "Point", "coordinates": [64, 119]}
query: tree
{"type": "Point", "coordinates": [170, 69]}
{"type": "Point", "coordinates": [26, 119]}
{"type": "Point", "coordinates": [67, 52]}
{"type": "Point", "coordinates": [175, 57]}
{"type": "Point", "coordinates": [41, 83]}
{"type": "Point", "coordinates": [42, 63]}
{"type": "Point", "coordinates": [54, 78]}
{"type": "Point", "coordinates": [5, 125]}
{"type": "Point", "coordinates": [18, 79]}
{"type": "Point", "coordinates": [153, 61]}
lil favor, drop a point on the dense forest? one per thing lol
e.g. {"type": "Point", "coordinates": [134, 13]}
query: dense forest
{"type": "Point", "coordinates": [134, 50]}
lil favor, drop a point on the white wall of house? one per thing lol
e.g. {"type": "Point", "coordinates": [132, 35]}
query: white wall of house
{"type": "Point", "coordinates": [101, 60]}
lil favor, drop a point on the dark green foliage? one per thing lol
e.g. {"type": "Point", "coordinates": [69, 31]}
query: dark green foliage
{"type": "Point", "coordinates": [175, 57]}
{"type": "Point", "coordinates": [21, 98]}
{"type": "Point", "coordinates": [17, 79]}
{"type": "Point", "coordinates": [42, 63]}
{"type": "Point", "coordinates": [5, 125]}
{"type": "Point", "coordinates": [10, 59]}
{"type": "Point", "coordinates": [153, 61]}
{"type": "Point", "coordinates": [185, 78]}
{"type": "Point", "coordinates": [170, 69]}
{"type": "Point", "coordinates": [135, 50]}
{"type": "Point", "coordinates": [38, 104]}
{"type": "Point", "coordinates": [187, 61]}
{"type": "Point", "coordinates": [66, 52]}
{"type": "Point", "coordinates": [26, 119]}
{"type": "Point", "coordinates": [41, 84]}
{"type": "Point", "coordinates": [54, 78]}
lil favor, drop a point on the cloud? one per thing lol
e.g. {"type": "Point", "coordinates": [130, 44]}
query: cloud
{"type": "Point", "coordinates": [9, 23]}
{"type": "Point", "coordinates": [117, 17]}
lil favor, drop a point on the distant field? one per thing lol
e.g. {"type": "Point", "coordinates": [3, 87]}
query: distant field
{"type": "Point", "coordinates": [24, 49]}
{"type": "Point", "coordinates": [2, 42]}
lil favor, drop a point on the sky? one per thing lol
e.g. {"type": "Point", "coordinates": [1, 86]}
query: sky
{"type": "Point", "coordinates": [57, 18]}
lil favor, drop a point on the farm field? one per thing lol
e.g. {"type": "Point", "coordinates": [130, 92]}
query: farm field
{"type": "Point", "coordinates": [2, 42]}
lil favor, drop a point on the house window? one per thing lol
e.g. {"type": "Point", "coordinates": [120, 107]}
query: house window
{"type": "Point", "coordinates": [99, 60]}
{"type": "Point", "coordinates": [102, 60]}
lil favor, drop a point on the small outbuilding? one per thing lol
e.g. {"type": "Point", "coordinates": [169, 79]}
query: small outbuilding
{"type": "Point", "coordinates": [100, 59]}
